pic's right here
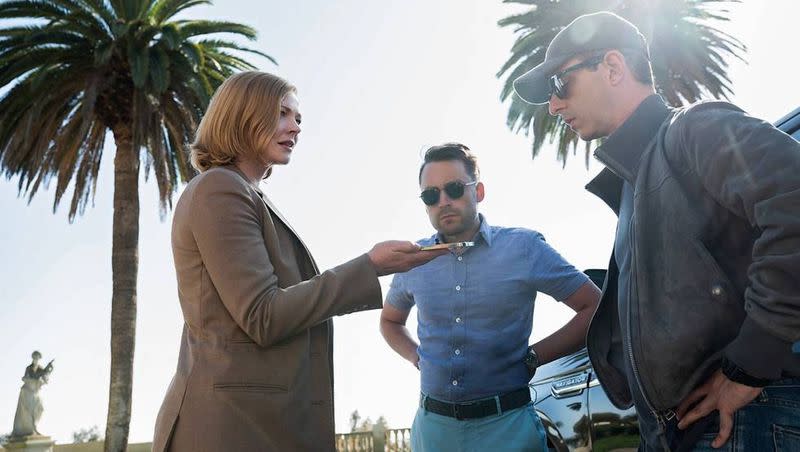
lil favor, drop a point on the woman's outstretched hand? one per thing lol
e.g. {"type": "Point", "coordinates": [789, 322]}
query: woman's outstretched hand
{"type": "Point", "coordinates": [397, 256]}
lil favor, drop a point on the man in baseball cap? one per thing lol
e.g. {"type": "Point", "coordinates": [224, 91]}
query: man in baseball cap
{"type": "Point", "coordinates": [701, 303]}
{"type": "Point", "coordinates": [586, 34]}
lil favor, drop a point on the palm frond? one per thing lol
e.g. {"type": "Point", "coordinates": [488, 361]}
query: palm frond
{"type": "Point", "coordinates": [192, 28]}
{"type": "Point", "coordinates": [88, 169]}
{"type": "Point", "coordinates": [165, 9]}
{"type": "Point", "coordinates": [130, 10]}
{"type": "Point", "coordinates": [221, 44]}
{"type": "Point", "coordinates": [92, 17]}
{"type": "Point", "coordinates": [224, 62]}
{"type": "Point", "coordinates": [31, 9]}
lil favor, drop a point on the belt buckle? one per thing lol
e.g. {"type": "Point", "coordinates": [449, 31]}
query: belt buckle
{"type": "Point", "coordinates": [456, 412]}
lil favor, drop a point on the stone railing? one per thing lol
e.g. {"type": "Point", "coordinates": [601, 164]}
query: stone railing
{"type": "Point", "coordinates": [355, 442]}
{"type": "Point", "coordinates": [95, 446]}
{"type": "Point", "coordinates": [396, 440]}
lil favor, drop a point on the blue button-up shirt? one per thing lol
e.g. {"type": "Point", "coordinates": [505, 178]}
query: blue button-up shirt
{"type": "Point", "coordinates": [475, 310]}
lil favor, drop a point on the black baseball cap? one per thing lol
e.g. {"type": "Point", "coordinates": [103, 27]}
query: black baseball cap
{"type": "Point", "coordinates": [588, 33]}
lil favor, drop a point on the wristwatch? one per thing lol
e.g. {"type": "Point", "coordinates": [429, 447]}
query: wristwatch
{"type": "Point", "coordinates": [738, 375]}
{"type": "Point", "coordinates": [531, 360]}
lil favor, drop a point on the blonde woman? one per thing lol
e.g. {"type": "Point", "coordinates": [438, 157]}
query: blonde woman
{"type": "Point", "coordinates": [255, 370]}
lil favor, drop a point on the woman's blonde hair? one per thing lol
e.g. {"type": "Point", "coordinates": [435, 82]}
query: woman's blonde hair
{"type": "Point", "coordinates": [240, 120]}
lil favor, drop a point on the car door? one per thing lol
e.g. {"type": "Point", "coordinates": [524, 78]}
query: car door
{"type": "Point", "coordinates": [612, 429]}
{"type": "Point", "coordinates": [559, 392]}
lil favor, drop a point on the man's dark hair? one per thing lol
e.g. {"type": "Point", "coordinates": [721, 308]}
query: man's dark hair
{"type": "Point", "coordinates": [639, 65]}
{"type": "Point", "coordinates": [449, 152]}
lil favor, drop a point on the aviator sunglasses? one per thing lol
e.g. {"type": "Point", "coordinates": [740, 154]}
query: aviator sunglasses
{"type": "Point", "coordinates": [558, 85]}
{"type": "Point", "coordinates": [454, 190]}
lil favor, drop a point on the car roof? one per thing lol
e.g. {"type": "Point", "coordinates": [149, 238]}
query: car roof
{"type": "Point", "coordinates": [790, 123]}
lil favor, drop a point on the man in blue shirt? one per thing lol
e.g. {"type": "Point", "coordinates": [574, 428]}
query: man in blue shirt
{"type": "Point", "coordinates": [475, 312]}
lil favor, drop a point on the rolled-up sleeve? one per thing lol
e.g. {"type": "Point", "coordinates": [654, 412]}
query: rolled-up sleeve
{"type": "Point", "coordinates": [551, 273]}
{"type": "Point", "coordinates": [398, 296]}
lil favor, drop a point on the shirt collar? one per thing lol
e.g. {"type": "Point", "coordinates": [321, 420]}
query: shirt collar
{"type": "Point", "coordinates": [485, 230]}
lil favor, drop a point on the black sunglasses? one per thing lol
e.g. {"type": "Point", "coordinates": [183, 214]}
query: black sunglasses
{"type": "Point", "coordinates": [454, 190]}
{"type": "Point", "coordinates": [558, 85]}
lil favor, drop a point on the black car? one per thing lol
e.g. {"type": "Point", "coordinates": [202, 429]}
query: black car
{"type": "Point", "coordinates": [572, 405]}
{"type": "Point", "coordinates": [574, 409]}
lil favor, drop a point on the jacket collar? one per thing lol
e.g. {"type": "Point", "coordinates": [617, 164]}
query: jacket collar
{"type": "Point", "coordinates": [274, 210]}
{"type": "Point", "coordinates": [621, 152]}
{"type": "Point", "coordinates": [264, 198]}
{"type": "Point", "coordinates": [241, 173]}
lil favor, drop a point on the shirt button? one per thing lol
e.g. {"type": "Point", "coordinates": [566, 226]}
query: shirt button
{"type": "Point", "coordinates": [460, 258]}
{"type": "Point", "coordinates": [455, 382]}
{"type": "Point", "coordinates": [458, 319]}
{"type": "Point", "coordinates": [458, 352]}
{"type": "Point", "coordinates": [458, 287]}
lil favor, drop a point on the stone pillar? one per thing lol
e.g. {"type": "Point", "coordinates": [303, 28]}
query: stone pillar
{"type": "Point", "coordinates": [31, 443]}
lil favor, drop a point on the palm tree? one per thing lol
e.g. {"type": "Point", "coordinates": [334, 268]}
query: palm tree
{"type": "Point", "coordinates": [71, 70]}
{"type": "Point", "coordinates": [688, 55]}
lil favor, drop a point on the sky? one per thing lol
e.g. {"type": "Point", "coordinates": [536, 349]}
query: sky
{"type": "Point", "coordinates": [378, 82]}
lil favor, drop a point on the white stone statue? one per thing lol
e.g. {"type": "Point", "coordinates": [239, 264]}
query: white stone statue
{"type": "Point", "coordinates": [29, 406]}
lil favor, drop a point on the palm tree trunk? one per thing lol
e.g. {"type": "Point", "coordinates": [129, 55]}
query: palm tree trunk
{"type": "Point", "coordinates": [124, 266]}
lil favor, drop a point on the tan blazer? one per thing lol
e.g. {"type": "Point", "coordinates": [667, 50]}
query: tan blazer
{"type": "Point", "coordinates": [255, 371]}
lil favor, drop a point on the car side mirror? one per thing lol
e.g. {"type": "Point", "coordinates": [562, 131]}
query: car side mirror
{"type": "Point", "coordinates": [597, 275]}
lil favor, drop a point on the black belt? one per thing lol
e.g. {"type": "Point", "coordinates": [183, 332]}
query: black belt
{"type": "Point", "coordinates": [478, 408]}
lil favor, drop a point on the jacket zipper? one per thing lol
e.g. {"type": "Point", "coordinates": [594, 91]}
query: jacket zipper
{"type": "Point", "coordinates": [662, 417]}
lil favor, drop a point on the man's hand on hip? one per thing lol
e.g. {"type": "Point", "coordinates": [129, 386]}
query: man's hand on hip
{"type": "Point", "coordinates": [717, 393]}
